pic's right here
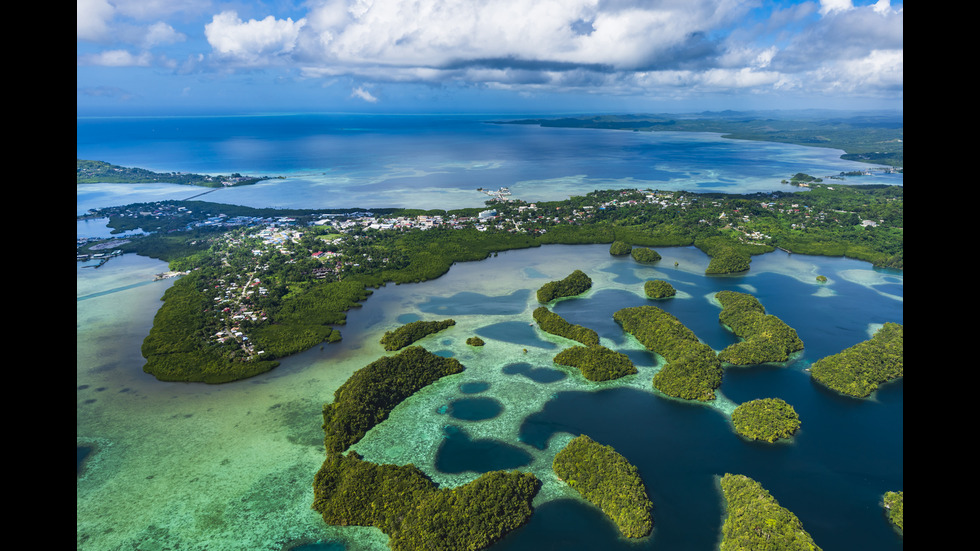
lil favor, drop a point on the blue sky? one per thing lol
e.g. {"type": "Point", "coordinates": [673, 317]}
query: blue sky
{"type": "Point", "coordinates": [153, 57]}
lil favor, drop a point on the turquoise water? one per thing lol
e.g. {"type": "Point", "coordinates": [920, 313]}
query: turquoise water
{"type": "Point", "coordinates": [429, 161]}
{"type": "Point", "coordinates": [231, 466]}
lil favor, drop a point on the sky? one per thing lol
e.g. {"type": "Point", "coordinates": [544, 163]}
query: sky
{"type": "Point", "coordinates": [173, 57]}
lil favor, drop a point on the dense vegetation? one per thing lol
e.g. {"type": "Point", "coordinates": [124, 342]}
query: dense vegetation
{"type": "Point", "coordinates": [693, 370]}
{"type": "Point", "coordinates": [645, 255]}
{"type": "Point", "coordinates": [175, 350]}
{"type": "Point", "coordinates": [553, 323]}
{"type": "Point", "coordinates": [858, 370]}
{"type": "Point", "coordinates": [620, 248]}
{"type": "Point", "coordinates": [475, 341]}
{"type": "Point", "coordinates": [895, 503]}
{"type": "Point", "coordinates": [416, 515]}
{"type": "Point", "coordinates": [372, 392]}
{"type": "Point", "coordinates": [767, 419]}
{"type": "Point", "coordinates": [767, 338]}
{"type": "Point", "coordinates": [727, 255]}
{"type": "Point", "coordinates": [755, 520]}
{"type": "Point", "coordinates": [658, 288]}
{"type": "Point", "coordinates": [576, 283]}
{"type": "Point", "coordinates": [308, 297]}
{"type": "Point", "coordinates": [411, 332]}
{"type": "Point", "coordinates": [98, 172]}
{"type": "Point", "coordinates": [596, 362]}
{"type": "Point", "coordinates": [607, 480]}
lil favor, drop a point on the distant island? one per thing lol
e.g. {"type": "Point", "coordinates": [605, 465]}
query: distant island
{"type": "Point", "coordinates": [869, 139]}
{"type": "Point", "coordinates": [100, 172]}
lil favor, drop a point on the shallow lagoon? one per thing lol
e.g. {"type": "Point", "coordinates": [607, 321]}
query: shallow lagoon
{"type": "Point", "coordinates": [231, 466]}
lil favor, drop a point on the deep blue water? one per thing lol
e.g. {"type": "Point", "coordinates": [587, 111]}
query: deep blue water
{"type": "Point", "coordinates": [832, 474]}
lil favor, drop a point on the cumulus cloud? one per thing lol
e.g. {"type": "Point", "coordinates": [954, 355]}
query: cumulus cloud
{"type": "Point", "coordinates": [618, 46]}
{"type": "Point", "coordinates": [92, 19]}
{"type": "Point", "coordinates": [252, 42]}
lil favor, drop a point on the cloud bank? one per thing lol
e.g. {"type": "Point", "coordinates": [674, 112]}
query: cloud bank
{"type": "Point", "coordinates": [648, 47]}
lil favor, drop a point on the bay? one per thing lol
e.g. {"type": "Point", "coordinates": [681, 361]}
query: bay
{"type": "Point", "coordinates": [218, 467]}
{"type": "Point", "coordinates": [167, 465]}
{"type": "Point", "coordinates": [429, 161]}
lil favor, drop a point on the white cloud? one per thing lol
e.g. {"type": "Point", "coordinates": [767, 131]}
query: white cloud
{"type": "Point", "coordinates": [252, 42]}
{"type": "Point", "coordinates": [364, 95]}
{"type": "Point", "coordinates": [831, 6]}
{"type": "Point", "coordinates": [161, 33]}
{"type": "Point", "coordinates": [117, 58]}
{"type": "Point", "coordinates": [92, 19]}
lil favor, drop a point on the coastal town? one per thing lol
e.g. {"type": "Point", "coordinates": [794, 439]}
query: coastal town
{"type": "Point", "coordinates": [254, 258]}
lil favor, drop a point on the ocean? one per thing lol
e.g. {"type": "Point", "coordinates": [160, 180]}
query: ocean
{"type": "Point", "coordinates": [431, 161]}
{"type": "Point", "coordinates": [168, 465]}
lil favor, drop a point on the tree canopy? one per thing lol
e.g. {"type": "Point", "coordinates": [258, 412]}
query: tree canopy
{"type": "Point", "coordinates": [553, 323]}
{"type": "Point", "coordinates": [607, 480]}
{"type": "Point", "coordinates": [596, 362]}
{"type": "Point", "coordinates": [575, 283]}
{"type": "Point", "coordinates": [857, 371]}
{"type": "Point", "coordinates": [693, 370]}
{"type": "Point", "coordinates": [766, 337]}
{"type": "Point", "coordinates": [411, 332]}
{"type": "Point", "coordinates": [766, 419]}
{"type": "Point", "coordinates": [755, 520]}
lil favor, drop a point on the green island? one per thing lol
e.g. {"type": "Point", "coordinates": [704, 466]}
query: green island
{"type": "Point", "coordinates": [100, 172]}
{"type": "Point", "coordinates": [372, 392]}
{"type": "Point", "coordinates": [620, 248]}
{"type": "Point", "coordinates": [607, 480]}
{"type": "Point", "coordinates": [894, 503]}
{"type": "Point", "coordinates": [766, 337]}
{"type": "Point", "coordinates": [411, 332]}
{"type": "Point", "coordinates": [728, 256]}
{"type": "Point", "coordinates": [755, 520]}
{"type": "Point", "coordinates": [554, 324]}
{"type": "Point", "coordinates": [766, 419]}
{"type": "Point", "coordinates": [475, 341]}
{"type": "Point", "coordinates": [645, 255]}
{"type": "Point", "coordinates": [858, 370]}
{"type": "Point", "coordinates": [257, 285]}
{"type": "Point", "coordinates": [407, 506]}
{"type": "Point", "coordinates": [575, 283]}
{"type": "Point", "coordinates": [402, 501]}
{"type": "Point", "coordinates": [658, 288]}
{"type": "Point", "coordinates": [693, 370]}
{"type": "Point", "coordinates": [596, 362]}
{"type": "Point", "coordinates": [802, 179]}
{"type": "Point", "coordinates": [872, 138]}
